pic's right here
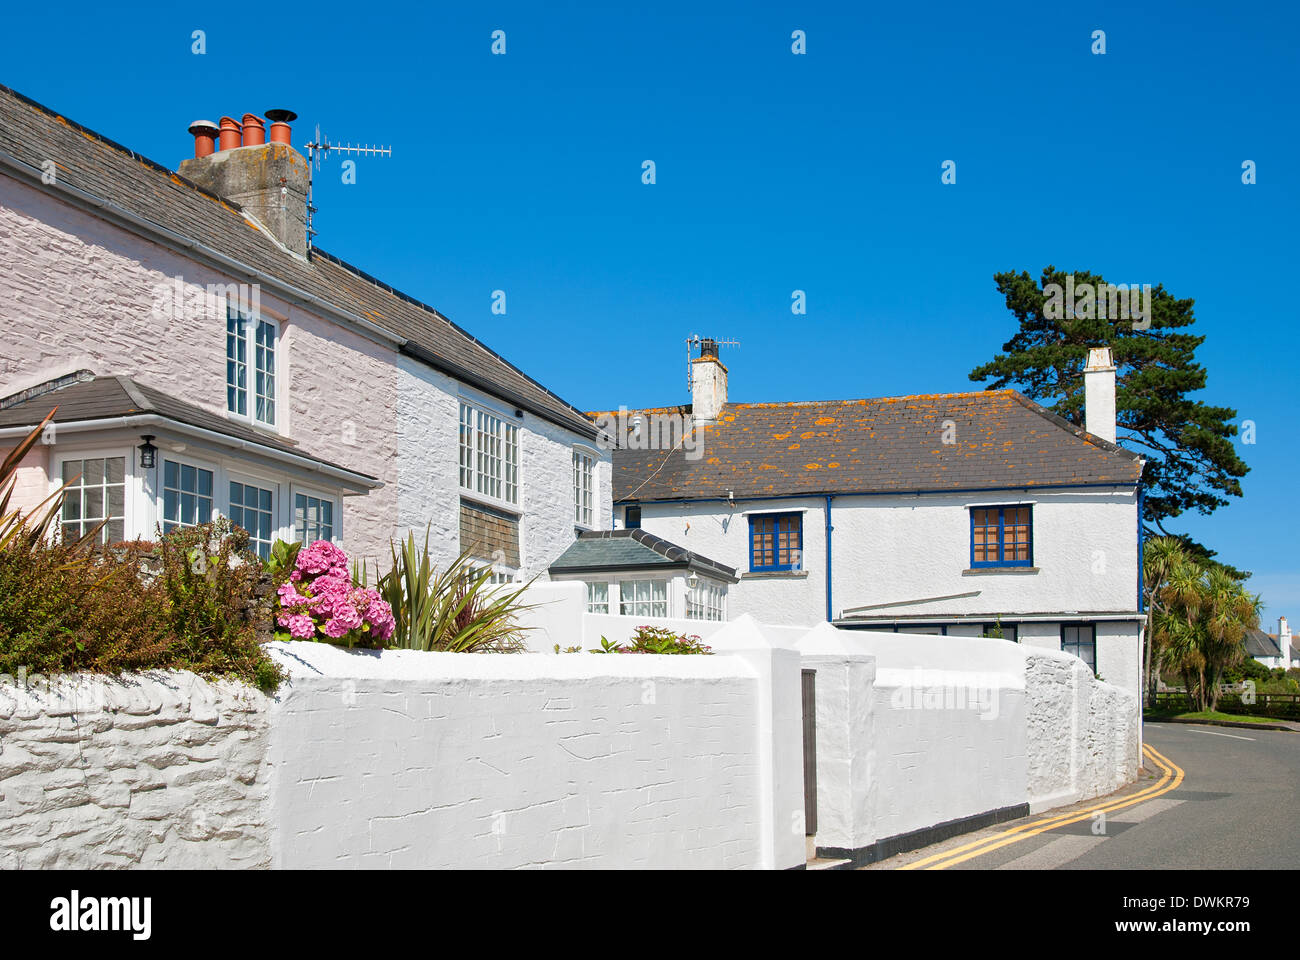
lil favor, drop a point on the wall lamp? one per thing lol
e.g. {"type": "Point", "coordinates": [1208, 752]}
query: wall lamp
{"type": "Point", "coordinates": [148, 452]}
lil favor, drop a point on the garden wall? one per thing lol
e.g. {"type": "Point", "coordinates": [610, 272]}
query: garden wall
{"type": "Point", "coordinates": [407, 759]}
{"type": "Point", "coordinates": [923, 737]}
{"type": "Point", "coordinates": [452, 760]}
{"type": "Point", "coordinates": [163, 769]}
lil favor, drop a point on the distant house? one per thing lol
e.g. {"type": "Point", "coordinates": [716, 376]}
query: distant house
{"type": "Point", "coordinates": [1273, 650]}
{"type": "Point", "coordinates": [633, 573]}
{"type": "Point", "coordinates": [206, 359]}
{"type": "Point", "coordinates": [965, 514]}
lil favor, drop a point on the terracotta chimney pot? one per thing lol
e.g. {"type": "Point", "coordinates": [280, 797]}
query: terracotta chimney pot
{"type": "Point", "coordinates": [231, 134]}
{"type": "Point", "coordinates": [205, 137]}
{"type": "Point", "coordinates": [254, 130]}
{"type": "Point", "coordinates": [280, 120]}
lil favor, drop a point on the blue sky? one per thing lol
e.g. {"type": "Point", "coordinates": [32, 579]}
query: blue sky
{"type": "Point", "coordinates": [774, 172]}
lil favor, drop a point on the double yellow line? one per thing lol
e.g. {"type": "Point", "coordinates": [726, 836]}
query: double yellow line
{"type": "Point", "coordinates": [1171, 778]}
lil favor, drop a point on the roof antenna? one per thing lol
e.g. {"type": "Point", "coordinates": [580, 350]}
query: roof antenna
{"type": "Point", "coordinates": [320, 148]}
{"type": "Point", "coordinates": [695, 341]}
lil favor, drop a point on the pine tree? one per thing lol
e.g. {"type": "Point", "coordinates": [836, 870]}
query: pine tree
{"type": "Point", "coordinates": [1191, 463]}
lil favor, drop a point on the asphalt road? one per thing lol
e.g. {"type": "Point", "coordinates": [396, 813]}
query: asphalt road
{"type": "Point", "coordinates": [1235, 808]}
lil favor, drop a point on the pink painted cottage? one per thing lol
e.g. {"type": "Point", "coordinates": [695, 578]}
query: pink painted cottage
{"type": "Point", "coordinates": [205, 361]}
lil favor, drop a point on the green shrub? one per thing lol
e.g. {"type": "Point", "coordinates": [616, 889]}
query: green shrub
{"type": "Point", "coordinates": [1248, 669]}
{"type": "Point", "coordinates": [660, 640]}
{"type": "Point", "coordinates": [189, 603]}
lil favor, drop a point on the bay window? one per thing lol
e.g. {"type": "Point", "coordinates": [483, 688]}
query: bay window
{"type": "Point", "coordinates": [643, 598]}
{"type": "Point", "coordinates": [187, 495]}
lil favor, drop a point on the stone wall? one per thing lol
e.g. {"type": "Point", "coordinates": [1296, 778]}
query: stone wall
{"type": "Point", "coordinates": [426, 760]}
{"type": "Point", "coordinates": [161, 769]}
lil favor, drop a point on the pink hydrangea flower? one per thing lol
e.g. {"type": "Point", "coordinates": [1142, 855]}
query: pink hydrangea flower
{"type": "Point", "coordinates": [320, 596]}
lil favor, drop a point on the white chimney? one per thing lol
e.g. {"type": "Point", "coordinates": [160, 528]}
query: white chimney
{"type": "Point", "coordinates": [1099, 394]}
{"type": "Point", "coordinates": [1284, 641]}
{"type": "Point", "coordinates": [708, 383]}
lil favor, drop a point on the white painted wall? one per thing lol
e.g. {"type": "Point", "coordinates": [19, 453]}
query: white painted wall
{"type": "Point", "coordinates": [159, 770]}
{"type": "Point", "coordinates": [449, 760]}
{"type": "Point", "coordinates": [915, 731]}
{"type": "Point", "coordinates": [894, 550]}
{"type": "Point", "coordinates": [408, 759]}
{"type": "Point", "coordinates": [428, 411]}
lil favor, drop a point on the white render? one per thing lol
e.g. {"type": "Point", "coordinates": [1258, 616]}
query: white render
{"type": "Point", "coordinates": [452, 760]}
{"type": "Point", "coordinates": [1099, 394]}
{"type": "Point", "coordinates": [409, 759]}
{"type": "Point", "coordinates": [428, 447]}
{"type": "Point", "coordinates": [900, 554]}
{"type": "Point", "coordinates": [914, 731]}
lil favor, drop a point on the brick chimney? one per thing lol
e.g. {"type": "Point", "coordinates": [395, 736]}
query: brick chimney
{"type": "Point", "coordinates": [269, 180]}
{"type": "Point", "coordinates": [708, 383]}
{"type": "Point", "coordinates": [1099, 394]}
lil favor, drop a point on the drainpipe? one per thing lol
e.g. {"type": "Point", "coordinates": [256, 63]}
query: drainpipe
{"type": "Point", "coordinates": [1141, 547]}
{"type": "Point", "coordinates": [830, 609]}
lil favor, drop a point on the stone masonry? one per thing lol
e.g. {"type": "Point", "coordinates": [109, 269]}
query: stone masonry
{"type": "Point", "coordinates": [161, 769]}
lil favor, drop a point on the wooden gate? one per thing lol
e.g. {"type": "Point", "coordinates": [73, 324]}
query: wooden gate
{"type": "Point", "coordinates": [810, 751]}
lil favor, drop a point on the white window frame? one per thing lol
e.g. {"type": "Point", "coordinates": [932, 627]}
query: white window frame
{"type": "Point", "coordinates": [297, 489]}
{"type": "Point", "coordinates": [476, 482]}
{"type": "Point", "coordinates": [249, 480]}
{"type": "Point", "coordinates": [198, 463]}
{"type": "Point", "coordinates": [131, 482]}
{"type": "Point", "coordinates": [247, 329]}
{"type": "Point", "coordinates": [584, 487]}
{"type": "Point", "coordinates": [592, 587]}
{"type": "Point", "coordinates": [707, 598]}
{"type": "Point", "coordinates": [654, 582]}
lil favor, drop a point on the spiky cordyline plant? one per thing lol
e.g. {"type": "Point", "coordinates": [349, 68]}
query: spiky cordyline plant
{"type": "Point", "coordinates": [455, 610]}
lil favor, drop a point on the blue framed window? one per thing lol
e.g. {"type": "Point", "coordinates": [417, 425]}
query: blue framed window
{"type": "Point", "coordinates": [1080, 639]}
{"type": "Point", "coordinates": [1002, 536]}
{"type": "Point", "coordinates": [776, 542]}
{"type": "Point", "coordinates": [632, 517]}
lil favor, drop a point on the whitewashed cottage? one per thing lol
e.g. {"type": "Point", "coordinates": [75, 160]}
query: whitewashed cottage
{"type": "Point", "coordinates": [204, 360]}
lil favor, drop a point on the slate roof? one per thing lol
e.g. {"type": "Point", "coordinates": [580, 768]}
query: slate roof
{"type": "Point", "coordinates": [612, 550]}
{"type": "Point", "coordinates": [31, 134]}
{"type": "Point", "coordinates": [1001, 440]}
{"type": "Point", "coordinates": [1261, 644]}
{"type": "Point", "coordinates": [88, 397]}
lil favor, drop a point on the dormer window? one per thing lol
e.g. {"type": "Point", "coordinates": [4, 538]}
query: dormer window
{"type": "Point", "coordinates": [251, 346]}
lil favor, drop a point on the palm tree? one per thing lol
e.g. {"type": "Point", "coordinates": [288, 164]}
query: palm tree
{"type": "Point", "coordinates": [1199, 617]}
{"type": "Point", "coordinates": [1160, 555]}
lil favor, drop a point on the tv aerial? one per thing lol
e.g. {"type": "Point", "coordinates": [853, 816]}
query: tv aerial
{"type": "Point", "coordinates": [696, 341]}
{"type": "Point", "coordinates": [319, 149]}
